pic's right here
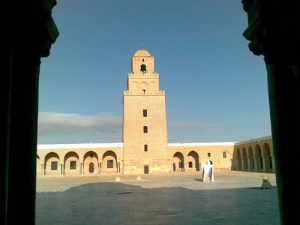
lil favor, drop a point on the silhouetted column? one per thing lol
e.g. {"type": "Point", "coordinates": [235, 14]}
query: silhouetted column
{"type": "Point", "coordinates": [5, 83]}
{"type": "Point", "coordinates": [284, 95]}
{"type": "Point", "coordinates": [23, 137]}
{"type": "Point", "coordinates": [274, 32]}
{"type": "Point", "coordinates": [29, 33]}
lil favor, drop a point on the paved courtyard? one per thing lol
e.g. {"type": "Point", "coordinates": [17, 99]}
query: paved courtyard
{"type": "Point", "coordinates": [235, 198]}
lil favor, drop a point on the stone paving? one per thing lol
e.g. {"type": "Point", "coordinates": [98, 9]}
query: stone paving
{"type": "Point", "coordinates": [234, 198]}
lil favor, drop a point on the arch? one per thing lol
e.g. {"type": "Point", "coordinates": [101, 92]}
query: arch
{"type": "Point", "coordinates": [226, 154]}
{"type": "Point", "coordinates": [143, 68]}
{"type": "Point", "coordinates": [72, 163]}
{"type": "Point", "coordinates": [258, 158]}
{"type": "Point", "coordinates": [144, 86]}
{"type": "Point", "coordinates": [152, 86]}
{"type": "Point", "coordinates": [193, 161]}
{"type": "Point", "coordinates": [267, 157]}
{"type": "Point", "coordinates": [244, 159]}
{"type": "Point", "coordinates": [135, 86]}
{"type": "Point", "coordinates": [52, 166]}
{"type": "Point", "coordinates": [178, 162]}
{"type": "Point", "coordinates": [251, 159]}
{"type": "Point", "coordinates": [109, 162]}
{"type": "Point", "coordinates": [90, 158]}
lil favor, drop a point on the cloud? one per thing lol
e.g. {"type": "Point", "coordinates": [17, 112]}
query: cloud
{"type": "Point", "coordinates": [53, 123]}
{"type": "Point", "coordinates": [203, 126]}
{"type": "Point", "coordinates": [54, 127]}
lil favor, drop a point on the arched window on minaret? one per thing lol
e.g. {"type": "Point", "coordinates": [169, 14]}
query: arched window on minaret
{"type": "Point", "coordinates": [143, 68]}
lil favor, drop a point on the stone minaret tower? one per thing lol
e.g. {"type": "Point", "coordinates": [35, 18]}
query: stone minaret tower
{"type": "Point", "coordinates": [144, 119]}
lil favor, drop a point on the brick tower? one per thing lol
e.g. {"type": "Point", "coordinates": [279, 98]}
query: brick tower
{"type": "Point", "coordinates": [144, 119]}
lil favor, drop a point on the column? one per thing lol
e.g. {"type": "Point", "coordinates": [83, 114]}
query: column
{"type": "Point", "coordinates": [199, 165]}
{"type": "Point", "coordinates": [243, 164]}
{"type": "Point", "coordinates": [62, 169]}
{"type": "Point", "coordinates": [273, 31]}
{"type": "Point", "coordinates": [255, 164]}
{"type": "Point", "coordinates": [273, 163]}
{"type": "Point", "coordinates": [249, 163]}
{"type": "Point", "coordinates": [99, 167]}
{"type": "Point", "coordinates": [43, 169]}
{"type": "Point", "coordinates": [30, 40]}
{"type": "Point", "coordinates": [81, 169]}
{"type": "Point", "coordinates": [264, 164]}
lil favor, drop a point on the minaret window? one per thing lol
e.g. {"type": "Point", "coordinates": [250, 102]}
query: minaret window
{"type": "Point", "coordinates": [143, 68]}
{"type": "Point", "coordinates": [144, 91]}
{"type": "Point", "coordinates": [145, 148]}
{"type": "Point", "coordinates": [145, 113]}
{"type": "Point", "coordinates": [145, 129]}
{"type": "Point", "coordinates": [146, 169]}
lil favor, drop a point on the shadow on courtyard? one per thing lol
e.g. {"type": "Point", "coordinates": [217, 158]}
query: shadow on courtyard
{"type": "Point", "coordinates": [113, 203]}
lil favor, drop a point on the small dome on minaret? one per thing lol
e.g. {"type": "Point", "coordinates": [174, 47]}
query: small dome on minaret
{"type": "Point", "coordinates": [142, 52]}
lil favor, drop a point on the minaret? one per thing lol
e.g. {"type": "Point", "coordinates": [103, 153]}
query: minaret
{"type": "Point", "coordinates": [144, 119]}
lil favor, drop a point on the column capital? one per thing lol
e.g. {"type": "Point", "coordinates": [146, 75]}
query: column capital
{"type": "Point", "coordinates": [273, 30]}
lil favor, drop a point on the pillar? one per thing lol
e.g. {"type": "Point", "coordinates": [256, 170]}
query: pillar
{"type": "Point", "coordinates": [243, 164]}
{"type": "Point", "coordinates": [81, 169]}
{"type": "Point", "coordinates": [62, 169]}
{"type": "Point", "coordinates": [273, 163]}
{"type": "Point", "coordinates": [118, 167]}
{"type": "Point", "coordinates": [264, 164]}
{"type": "Point", "coordinates": [99, 166]}
{"type": "Point", "coordinates": [249, 163]}
{"type": "Point", "coordinates": [28, 38]}
{"type": "Point", "coordinates": [43, 169]}
{"type": "Point", "coordinates": [273, 31]}
{"type": "Point", "coordinates": [255, 164]}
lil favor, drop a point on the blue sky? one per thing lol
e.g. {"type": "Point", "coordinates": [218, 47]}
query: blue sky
{"type": "Point", "coordinates": [216, 89]}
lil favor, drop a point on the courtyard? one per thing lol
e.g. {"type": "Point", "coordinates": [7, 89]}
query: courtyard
{"type": "Point", "coordinates": [234, 198]}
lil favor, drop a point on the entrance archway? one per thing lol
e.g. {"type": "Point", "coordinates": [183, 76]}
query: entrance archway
{"type": "Point", "coordinates": [72, 164]}
{"type": "Point", "coordinates": [109, 162]}
{"type": "Point", "coordinates": [178, 162]}
{"type": "Point", "coordinates": [90, 163]}
{"type": "Point", "coordinates": [193, 161]}
{"type": "Point", "coordinates": [52, 166]}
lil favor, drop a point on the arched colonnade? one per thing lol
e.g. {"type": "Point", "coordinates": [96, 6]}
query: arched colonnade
{"type": "Point", "coordinates": [254, 156]}
{"type": "Point", "coordinates": [85, 163]}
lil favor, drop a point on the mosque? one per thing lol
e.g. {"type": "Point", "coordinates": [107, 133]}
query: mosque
{"type": "Point", "coordinates": [145, 148]}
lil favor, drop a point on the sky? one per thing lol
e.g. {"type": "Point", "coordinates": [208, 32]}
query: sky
{"type": "Point", "coordinates": [216, 89]}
